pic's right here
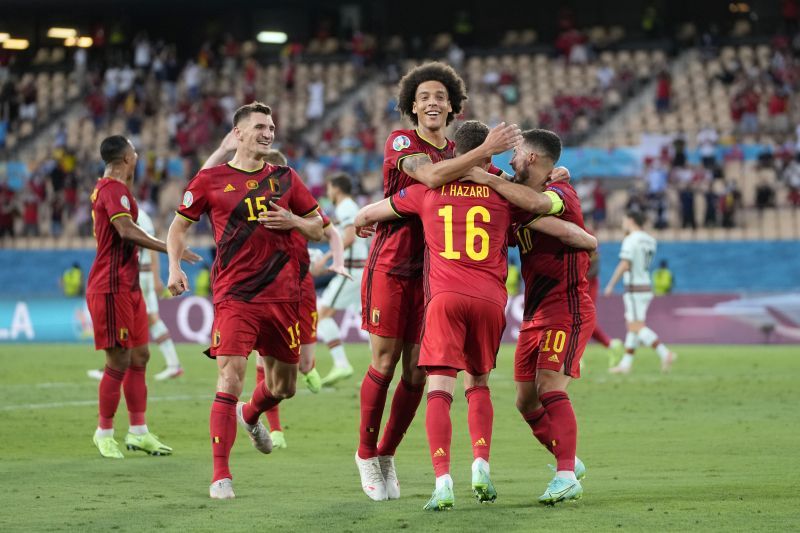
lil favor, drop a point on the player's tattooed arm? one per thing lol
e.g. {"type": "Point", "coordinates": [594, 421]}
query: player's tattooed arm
{"type": "Point", "coordinates": [567, 232]}
{"type": "Point", "coordinates": [520, 195]}
{"type": "Point", "coordinates": [623, 266]}
{"type": "Point", "coordinates": [501, 138]}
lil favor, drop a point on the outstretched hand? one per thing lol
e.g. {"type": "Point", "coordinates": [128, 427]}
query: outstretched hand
{"type": "Point", "coordinates": [502, 138]}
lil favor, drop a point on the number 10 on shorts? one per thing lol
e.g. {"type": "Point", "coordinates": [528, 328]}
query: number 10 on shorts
{"type": "Point", "coordinates": [558, 339]}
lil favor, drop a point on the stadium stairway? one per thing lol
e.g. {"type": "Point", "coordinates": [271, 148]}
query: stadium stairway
{"type": "Point", "coordinates": [615, 125]}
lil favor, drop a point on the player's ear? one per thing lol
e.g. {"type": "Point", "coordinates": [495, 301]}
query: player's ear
{"type": "Point", "coordinates": [414, 107]}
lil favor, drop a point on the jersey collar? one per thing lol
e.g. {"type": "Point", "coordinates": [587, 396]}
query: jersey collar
{"type": "Point", "coordinates": [256, 171]}
{"type": "Point", "coordinates": [442, 147]}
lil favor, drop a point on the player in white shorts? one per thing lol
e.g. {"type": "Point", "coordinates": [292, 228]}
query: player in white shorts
{"type": "Point", "coordinates": [636, 257]}
{"type": "Point", "coordinates": [151, 285]}
{"type": "Point", "coordinates": [342, 293]}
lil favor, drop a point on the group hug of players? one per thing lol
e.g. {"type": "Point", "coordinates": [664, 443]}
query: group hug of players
{"type": "Point", "coordinates": [432, 295]}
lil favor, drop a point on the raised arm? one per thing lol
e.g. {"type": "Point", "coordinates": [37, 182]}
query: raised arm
{"type": "Point", "coordinates": [623, 266]}
{"type": "Point", "coordinates": [565, 231]}
{"type": "Point", "coordinates": [223, 152]}
{"type": "Point", "coordinates": [337, 249]}
{"type": "Point", "coordinates": [374, 213]}
{"type": "Point", "coordinates": [420, 167]}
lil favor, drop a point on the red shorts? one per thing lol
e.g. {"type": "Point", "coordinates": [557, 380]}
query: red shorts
{"type": "Point", "coordinates": [308, 311]}
{"type": "Point", "coordinates": [119, 319]}
{"type": "Point", "coordinates": [271, 328]}
{"type": "Point", "coordinates": [392, 307]}
{"type": "Point", "coordinates": [461, 332]}
{"type": "Point", "coordinates": [552, 346]}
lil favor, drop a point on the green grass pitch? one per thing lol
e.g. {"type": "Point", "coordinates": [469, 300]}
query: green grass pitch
{"type": "Point", "coordinates": [713, 446]}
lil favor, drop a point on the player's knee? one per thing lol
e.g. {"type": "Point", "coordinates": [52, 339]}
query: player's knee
{"type": "Point", "coordinates": [385, 363]}
{"type": "Point", "coordinates": [284, 390]}
{"type": "Point", "coordinates": [526, 404]}
{"type": "Point", "coordinates": [414, 375]}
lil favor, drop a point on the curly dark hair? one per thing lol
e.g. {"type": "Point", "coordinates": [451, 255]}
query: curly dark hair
{"type": "Point", "coordinates": [470, 135]}
{"type": "Point", "coordinates": [435, 71]}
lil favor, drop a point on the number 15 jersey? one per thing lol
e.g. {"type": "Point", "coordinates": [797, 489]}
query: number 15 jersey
{"type": "Point", "coordinates": [253, 264]}
{"type": "Point", "coordinates": [466, 227]}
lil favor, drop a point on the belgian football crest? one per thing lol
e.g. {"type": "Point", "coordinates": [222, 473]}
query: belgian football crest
{"type": "Point", "coordinates": [123, 334]}
{"type": "Point", "coordinates": [376, 316]}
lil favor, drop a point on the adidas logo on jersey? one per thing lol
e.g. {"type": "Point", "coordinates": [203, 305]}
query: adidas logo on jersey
{"type": "Point", "coordinates": [480, 442]}
{"type": "Point", "coordinates": [229, 188]}
{"type": "Point", "coordinates": [439, 453]}
{"type": "Point", "coordinates": [553, 358]}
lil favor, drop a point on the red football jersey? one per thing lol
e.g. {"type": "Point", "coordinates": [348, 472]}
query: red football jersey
{"type": "Point", "coordinates": [300, 246]}
{"type": "Point", "coordinates": [554, 273]}
{"type": "Point", "coordinates": [398, 245]}
{"type": "Point", "coordinates": [465, 230]}
{"type": "Point", "coordinates": [253, 264]}
{"type": "Point", "coordinates": [116, 266]}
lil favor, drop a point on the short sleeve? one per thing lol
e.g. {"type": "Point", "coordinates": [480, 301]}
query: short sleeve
{"type": "Point", "coordinates": [195, 201]}
{"type": "Point", "coordinates": [520, 217]}
{"type": "Point", "coordinates": [115, 199]}
{"type": "Point", "coordinates": [626, 251]}
{"type": "Point", "coordinates": [408, 201]}
{"type": "Point", "coordinates": [399, 145]}
{"type": "Point", "coordinates": [301, 202]}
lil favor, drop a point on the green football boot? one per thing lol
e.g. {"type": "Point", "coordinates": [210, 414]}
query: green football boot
{"type": "Point", "coordinates": [561, 489]}
{"type": "Point", "coordinates": [482, 486]}
{"type": "Point", "coordinates": [108, 447]}
{"type": "Point", "coordinates": [441, 500]}
{"type": "Point", "coordinates": [147, 443]}
{"type": "Point", "coordinates": [337, 374]}
{"type": "Point", "coordinates": [313, 380]}
{"type": "Point", "coordinates": [278, 439]}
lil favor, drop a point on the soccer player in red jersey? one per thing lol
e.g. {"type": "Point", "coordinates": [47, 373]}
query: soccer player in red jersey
{"type": "Point", "coordinates": [308, 294]}
{"type": "Point", "coordinates": [465, 230]}
{"type": "Point", "coordinates": [430, 95]}
{"type": "Point", "coordinates": [253, 206]}
{"type": "Point", "coordinates": [115, 301]}
{"type": "Point", "coordinates": [559, 313]}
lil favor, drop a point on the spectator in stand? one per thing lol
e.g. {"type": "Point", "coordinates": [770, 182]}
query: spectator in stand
{"type": "Point", "coordinates": [599, 195]}
{"type": "Point", "coordinates": [605, 75]}
{"type": "Point", "coordinates": [8, 210]}
{"type": "Point", "coordinates": [663, 91]}
{"type": "Point", "coordinates": [683, 178]}
{"type": "Point", "coordinates": [765, 194]}
{"type": "Point", "coordinates": [28, 97]}
{"type": "Point", "coordinates": [777, 108]}
{"type": "Point", "coordinates": [316, 99]}
{"type": "Point", "coordinates": [729, 204]}
{"type": "Point", "coordinates": [30, 213]}
{"type": "Point", "coordinates": [707, 140]}
{"type": "Point", "coordinates": [712, 198]}
{"type": "Point", "coordinates": [747, 101]}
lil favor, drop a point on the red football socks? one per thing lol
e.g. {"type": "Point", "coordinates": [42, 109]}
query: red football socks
{"type": "Point", "coordinates": [274, 414]}
{"type": "Point", "coordinates": [274, 418]}
{"type": "Point", "coordinates": [480, 416]}
{"type": "Point", "coordinates": [439, 429]}
{"type": "Point", "coordinates": [222, 424]}
{"type": "Point", "coordinates": [539, 421]}
{"type": "Point", "coordinates": [563, 428]}
{"type": "Point", "coordinates": [108, 396]}
{"type": "Point", "coordinates": [373, 399]}
{"type": "Point", "coordinates": [135, 389]}
{"type": "Point", "coordinates": [261, 401]}
{"type": "Point", "coordinates": [600, 336]}
{"type": "Point", "coordinates": [404, 406]}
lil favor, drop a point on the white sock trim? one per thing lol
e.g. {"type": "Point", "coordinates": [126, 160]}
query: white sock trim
{"type": "Point", "coordinates": [138, 430]}
{"type": "Point", "coordinates": [444, 481]}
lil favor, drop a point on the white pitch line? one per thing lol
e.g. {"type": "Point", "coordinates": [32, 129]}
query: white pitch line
{"type": "Point", "coordinates": [80, 403]}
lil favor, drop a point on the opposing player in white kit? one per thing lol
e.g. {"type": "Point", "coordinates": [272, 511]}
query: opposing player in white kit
{"type": "Point", "coordinates": [342, 293]}
{"type": "Point", "coordinates": [152, 286]}
{"type": "Point", "coordinates": [636, 257]}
